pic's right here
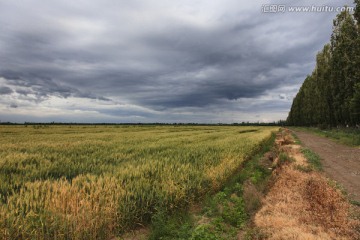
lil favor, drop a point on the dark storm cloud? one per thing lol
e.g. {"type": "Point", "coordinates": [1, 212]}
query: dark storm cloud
{"type": "Point", "coordinates": [23, 92]}
{"type": "Point", "coordinates": [5, 90]}
{"type": "Point", "coordinates": [13, 105]}
{"type": "Point", "coordinates": [158, 55]}
{"type": "Point", "coordinates": [44, 87]}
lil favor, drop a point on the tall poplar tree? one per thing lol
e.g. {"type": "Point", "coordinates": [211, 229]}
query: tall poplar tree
{"type": "Point", "coordinates": [343, 65]}
{"type": "Point", "coordinates": [355, 101]}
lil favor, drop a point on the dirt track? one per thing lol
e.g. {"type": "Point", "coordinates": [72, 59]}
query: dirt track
{"type": "Point", "coordinates": [340, 163]}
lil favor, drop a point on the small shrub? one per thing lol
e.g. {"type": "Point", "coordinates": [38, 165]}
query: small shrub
{"type": "Point", "coordinates": [167, 226]}
{"type": "Point", "coordinates": [203, 232]}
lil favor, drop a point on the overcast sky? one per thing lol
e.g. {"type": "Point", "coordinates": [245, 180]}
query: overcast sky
{"type": "Point", "coordinates": [155, 60]}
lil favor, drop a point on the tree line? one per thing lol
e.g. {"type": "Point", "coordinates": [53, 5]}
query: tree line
{"type": "Point", "coordinates": [330, 96]}
{"type": "Point", "coordinates": [46, 124]}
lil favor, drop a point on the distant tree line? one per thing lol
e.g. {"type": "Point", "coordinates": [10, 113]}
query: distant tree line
{"type": "Point", "coordinates": [330, 96]}
{"type": "Point", "coordinates": [43, 124]}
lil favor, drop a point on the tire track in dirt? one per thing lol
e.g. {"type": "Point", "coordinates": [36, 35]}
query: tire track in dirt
{"type": "Point", "coordinates": [341, 163]}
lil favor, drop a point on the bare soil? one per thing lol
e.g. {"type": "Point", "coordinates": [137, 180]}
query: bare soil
{"type": "Point", "coordinates": [340, 163]}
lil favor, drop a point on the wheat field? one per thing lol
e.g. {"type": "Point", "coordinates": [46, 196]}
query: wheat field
{"type": "Point", "coordinates": [94, 182]}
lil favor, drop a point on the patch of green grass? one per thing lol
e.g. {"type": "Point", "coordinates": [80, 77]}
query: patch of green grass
{"type": "Point", "coordinates": [204, 231]}
{"type": "Point", "coordinates": [285, 158]}
{"type": "Point", "coordinates": [354, 202]}
{"type": "Point", "coordinates": [313, 159]}
{"type": "Point", "coordinates": [177, 225]}
{"type": "Point", "coordinates": [296, 139]}
{"type": "Point", "coordinates": [228, 207]}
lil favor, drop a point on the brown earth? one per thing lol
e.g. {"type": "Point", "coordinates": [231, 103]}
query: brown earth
{"type": "Point", "coordinates": [340, 163]}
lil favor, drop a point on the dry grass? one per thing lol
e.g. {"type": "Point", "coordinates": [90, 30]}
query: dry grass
{"type": "Point", "coordinates": [302, 205]}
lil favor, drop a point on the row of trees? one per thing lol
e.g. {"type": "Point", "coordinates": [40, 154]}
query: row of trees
{"type": "Point", "coordinates": [330, 96]}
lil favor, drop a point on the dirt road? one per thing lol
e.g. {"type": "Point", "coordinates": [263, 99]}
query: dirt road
{"type": "Point", "coordinates": [341, 163]}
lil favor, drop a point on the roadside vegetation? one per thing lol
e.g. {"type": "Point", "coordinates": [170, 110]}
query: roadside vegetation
{"type": "Point", "coordinates": [96, 182]}
{"type": "Point", "coordinates": [313, 159]}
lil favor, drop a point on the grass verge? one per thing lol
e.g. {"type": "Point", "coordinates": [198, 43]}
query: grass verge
{"type": "Point", "coordinates": [296, 139]}
{"type": "Point", "coordinates": [313, 159]}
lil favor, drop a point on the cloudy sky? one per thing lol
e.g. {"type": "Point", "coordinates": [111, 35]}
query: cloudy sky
{"type": "Point", "coordinates": [155, 60]}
